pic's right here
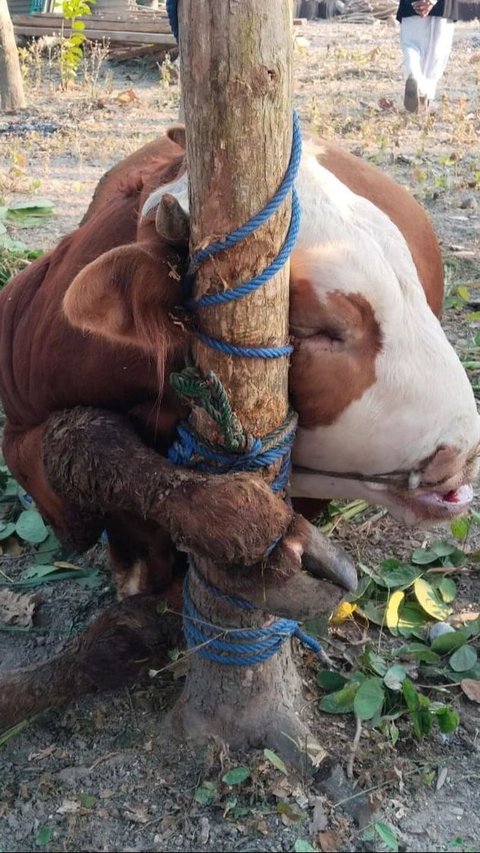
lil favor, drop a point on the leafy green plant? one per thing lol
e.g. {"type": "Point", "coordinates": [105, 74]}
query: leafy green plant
{"type": "Point", "coordinates": [407, 600]}
{"type": "Point", "coordinates": [20, 520]}
{"type": "Point", "coordinates": [71, 53]}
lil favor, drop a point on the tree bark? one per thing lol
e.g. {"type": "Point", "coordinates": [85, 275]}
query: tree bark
{"type": "Point", "coordinates": [236, 76]}
{"type": "Point", "coordinates": [12, 96]}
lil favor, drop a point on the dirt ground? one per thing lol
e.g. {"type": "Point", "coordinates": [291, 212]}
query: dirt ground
{"type": "Point", "coordinates": [103, 775]}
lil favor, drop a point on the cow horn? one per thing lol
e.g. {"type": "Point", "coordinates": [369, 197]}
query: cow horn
{"type": "Point", "coordinates": [172, 222]}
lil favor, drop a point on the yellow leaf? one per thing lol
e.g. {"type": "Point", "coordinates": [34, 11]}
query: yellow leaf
{"type": "Point", "coordinates": [343, 612]}
{"type": "Point", "coordinates": [427, 598]}
{"type": "Point", "coordinates": [391, 612]}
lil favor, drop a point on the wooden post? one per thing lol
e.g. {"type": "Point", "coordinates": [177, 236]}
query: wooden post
{"type": "Point", "coordinates": [236, 74]}
{"type": "Point", "coordinates": [12, 96]}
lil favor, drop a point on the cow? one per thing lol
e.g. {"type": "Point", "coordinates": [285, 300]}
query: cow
{"type": "Point", "coordinates": [385, 409]}
{"type": "Point", "coordinates": [90, 332]}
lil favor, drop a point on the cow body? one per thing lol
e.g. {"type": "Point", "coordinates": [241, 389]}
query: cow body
{"type": "Point", "coordinates": [95, 323]}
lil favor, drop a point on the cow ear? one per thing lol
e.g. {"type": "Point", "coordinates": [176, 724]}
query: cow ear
{"type": "Point", "coordinates": [177, 134]}
{"type": "Point", "coordinates": [172, 222]}
{"type": "Point", "coordinates": [112, 295]}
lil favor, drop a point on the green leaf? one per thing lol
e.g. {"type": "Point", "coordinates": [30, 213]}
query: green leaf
{"type": "Point", "coordinates": [87, 801]}
{"type": "Point", "coordinates": [48, 549]}
{"type": "Point", "coordinates": [447, 589]}
{"type": "Point", "coordinates": [394, 677]}
{"type": "Point", "coordinates": [448, 720]}
{"type": "Point", "coordinates": [411, 619]}
{"type": "Point", "coordinates": [422, 557]}
{"type": "Point", "coordinates": [205, 793]}
{"type": "Point", "coordinates": [236, 776]}
{"type": "Point", "coordinates": [340, 702]}
{"type": "Point", "coordinates": [375, 662]}
{"type": "Point", "coordinates": [369, 699]}
{"type": "Point", "coordinates": [418, 708]}
{"type": "Point", "coordinates": [331, 681]}
{"type": "Point", "coordinates": [31, 527]}
{"type": "Point", "coordinates": [275, 760]}
{"type": "Point", "coordinates": [43, 836]}
{"type": "Point", "coordinates": [464, 658]}
{"type": "Point", "coordinates": [443, 549]}
{"type": "Point", "coordinates": [400, 575]}
{"type": "Point", "coordinates": [7, 531]}
{"type": "Point", "coordinates": [13, 731]}
{"type": "Point", "coordinates": [303, 846]}
{"type": "Point", "coordinates": [420, 651]}
{"type": "Point", "coordinates": [394, 733]}
{"type": "Point", "coordinates": [460, 527]}
{"type": "Point", "coordinates": [430, 602]}
{"type": "Point", "coordinates": [449, 642]}
{"type": "Point", "coordinates": [387, 834]}
{"type": "Point", "coordinates": [373, 612]}
{"type": "Point", "coordinates": [391, 613]}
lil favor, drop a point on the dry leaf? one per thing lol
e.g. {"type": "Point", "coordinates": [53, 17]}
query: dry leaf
{"type": "Point", "coordinates": [471, 688]}
{"type": "Point", "coordinates": [137, 814]}
{"type": "Point", "coordinates": [17, 608]}
{"type": "Point", "coordinates": [69, 807]}
{"type": "Point", "coordinates": [386, 103]}
{"type": "Point", "coordinates": [127, 96]}
{"type": "Point", "coordinates": [44, 753]}
{"type": "Point", "coordinates": [329, 842]}
{"type": "Point", "coordinates": [441, 778]}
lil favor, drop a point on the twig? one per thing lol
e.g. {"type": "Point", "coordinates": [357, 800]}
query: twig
{"type": "Point", "coordinates": [353, 752]}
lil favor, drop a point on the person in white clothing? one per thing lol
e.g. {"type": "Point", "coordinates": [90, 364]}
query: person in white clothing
{"type": "Point", "coordinates": [426, 37]}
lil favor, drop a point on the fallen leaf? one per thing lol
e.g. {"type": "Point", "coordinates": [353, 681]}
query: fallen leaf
{"type": "Point", "coordinates": [127, 96]}
{"type": "Point", "coordinates": [44, 753]}
{"type": "Point", "coordinates": [386, 103]}
{"type": "Point", "coordinates": [343, 612]}
{"type": "Point", "coordinates": [329, 842]}
{"type": "Point", "coordinates": [441, 778]}
{"type": "Point", "coordinates": [17, 608]}
{"type": "Point", "coordinates": [471, 688]}
{"type": "Point", "coordinates": [69, 807]}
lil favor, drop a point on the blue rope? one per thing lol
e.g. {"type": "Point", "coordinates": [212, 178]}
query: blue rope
{"type": "Point", "coordinates": [237, 646]}
{"type": "Point", "coordinates": [191, 450]}
{"type": "Point", "coordinates": [241, 647]}
{"type": "Point", "coordinates": [260, 218]}
{"type": "Point", "coordinates": [244, 352]}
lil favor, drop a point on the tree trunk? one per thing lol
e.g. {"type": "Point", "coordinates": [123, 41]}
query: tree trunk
{"type": "Point", "coordinates": [12, 96]}
{"type": "Point", "coordinates": [237, 86]}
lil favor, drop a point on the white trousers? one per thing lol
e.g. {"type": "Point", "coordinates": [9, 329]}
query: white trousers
{"type": "Point", "coordinates": [426, 45]}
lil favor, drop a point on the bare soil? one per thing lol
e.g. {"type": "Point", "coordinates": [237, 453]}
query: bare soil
{"type": "Point", "coordinates": [104, 775]}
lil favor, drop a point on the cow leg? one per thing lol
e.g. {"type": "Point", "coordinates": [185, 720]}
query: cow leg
{"type": "Point", "coordinates": [95, 460]}
{"type": "Point", "coordinates": [142, 555]}
{"type": "Point", "coordinates": [121, 644]}
{"type": "Point", "coordinates": [77, 527]}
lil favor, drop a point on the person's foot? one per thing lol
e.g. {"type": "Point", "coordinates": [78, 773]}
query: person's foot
{"type": "Point", "coordinates": [410, 100]}
{"type": "Point", "coordinates": [423, 104]}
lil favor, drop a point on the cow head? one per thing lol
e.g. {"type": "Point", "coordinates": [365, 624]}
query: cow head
{"type": "Point", "coordinates": [385, 407]}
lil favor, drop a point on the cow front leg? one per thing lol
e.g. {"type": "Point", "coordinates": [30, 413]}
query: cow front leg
{"type": "Point", "coordinates": [95, 460]}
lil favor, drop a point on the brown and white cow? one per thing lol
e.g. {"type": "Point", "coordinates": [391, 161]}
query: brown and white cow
{"type": "Point", "coordinates": [89, 333]}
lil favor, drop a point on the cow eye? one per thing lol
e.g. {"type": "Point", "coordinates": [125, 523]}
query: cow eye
{"type": "Point", "coordinates": [328, 338]}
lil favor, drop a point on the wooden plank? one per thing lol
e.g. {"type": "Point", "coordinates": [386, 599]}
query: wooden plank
{"type": "Point", "coordinates": [54, 23]}
{"type": "Point", "coordinates": [96, 35]}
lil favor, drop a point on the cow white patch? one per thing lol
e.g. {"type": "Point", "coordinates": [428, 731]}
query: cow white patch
{"type": "Point", "coordinates": [421, 398]}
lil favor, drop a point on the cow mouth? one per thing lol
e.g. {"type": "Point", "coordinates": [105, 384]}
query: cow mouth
{"type": "Point", "coordinates": [438, 505]}
{"type": "Point", "coordinates": [415, 506]}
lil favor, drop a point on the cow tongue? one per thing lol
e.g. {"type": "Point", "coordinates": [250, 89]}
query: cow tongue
{"type": "Point", "coordinates": [457, 499]}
